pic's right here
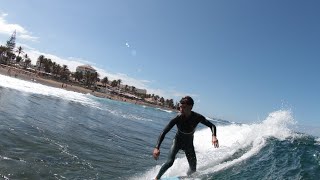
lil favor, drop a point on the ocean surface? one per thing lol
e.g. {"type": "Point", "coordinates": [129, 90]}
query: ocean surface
{"type": "Point", "coordinates": [50, 133]}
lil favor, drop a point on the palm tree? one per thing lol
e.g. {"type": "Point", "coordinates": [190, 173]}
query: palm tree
{"type": "Point", "coordinates": [87, 76]}
{"type": "Point", "coordinates": [27, 62]}
{"type": "Point", "coordinates": [65, 68]}
{"type": "Point", "coordinates": [91, 78]}
{"type": "Point", "coordinates": [114, 83]}
{"type": "Point", "coordinates": [56, 69]}
{"type": "Point", "coordinates": [53, 66]}
{"type": "Point", "coordinates": [133, 90]}
{"type": "Point", "coordinates": [10, 56]}
{"type": "Point", "coordinates": [170, 103]}
{"type": "Point", "coordinates": [162, 100]}
{"type": "Point", "coordinates": [64, 72]}
{"type": "Point", "coordinates": [40, 61]}
{"type": "Point", "coordinates": [105, 80]}
{"type": "Point", "coordinates": [19, 51]}
{"type": "Point", "coordinates": [94, 78]}
{"type": "Point", "coordinates": [78, 75]}
{"type": "Point", "coordinates": [119, 82]}
{"type": "Point", "coordinates": [47, 65]}
{"type": "Point", "coordinates": [18, 59]}
{"type": "Point", "coordinates": [26, 57]}
{"type": "Point", "coordinates": [3, 52]}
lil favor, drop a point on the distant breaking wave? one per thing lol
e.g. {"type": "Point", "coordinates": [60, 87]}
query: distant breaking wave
{"type": "Point", "coordinates": [168, 111]}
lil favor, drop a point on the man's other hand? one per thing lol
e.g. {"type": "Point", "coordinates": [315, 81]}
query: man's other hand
{"type": "Point", "coordinates": [215, 141]}
{"type": "Point", "coordinates": [156, 153]}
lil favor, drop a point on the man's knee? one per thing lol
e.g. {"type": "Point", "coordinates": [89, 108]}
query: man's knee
{"type": "Point", "coordinates": [191, 170]}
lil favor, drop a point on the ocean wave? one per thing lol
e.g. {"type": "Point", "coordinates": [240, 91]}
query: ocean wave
{"type": "Point", "coordinates": [133, 117]}
{"type": "Point", "coordinates": [248, 139]}
{"type": "Point", "coordinates": [36, 88]}
{"type": "Point", "coordinates": [126, 115]}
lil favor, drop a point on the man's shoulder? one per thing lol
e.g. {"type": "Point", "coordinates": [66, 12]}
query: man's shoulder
{"type": "Point", "coordinates": [198, 116]}
{"type": "Point", "coordinates": [177, 117]}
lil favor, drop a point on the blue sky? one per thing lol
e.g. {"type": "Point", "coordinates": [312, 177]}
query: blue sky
{"type": "Point", "coordinates": [240, 60]}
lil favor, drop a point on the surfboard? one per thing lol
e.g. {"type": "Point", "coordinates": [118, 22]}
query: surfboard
{"type": "Point", "coordinates": [170, 178]}
{"type": "Point", "coordinates": [174, 178]}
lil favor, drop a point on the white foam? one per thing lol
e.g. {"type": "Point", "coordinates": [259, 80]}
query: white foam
{"type": "Point", "coordinates": [36, 88]}
{"type": "Point", "coordinates": [168, 111]}
{"type": "Point", "coordinates": [134, 117]}
{"type": "Point", "coordinates": [232, 138]}
{"type": "Point", "coordinates": [4, 177]}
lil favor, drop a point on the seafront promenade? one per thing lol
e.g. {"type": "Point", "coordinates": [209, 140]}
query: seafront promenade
{"type": "Point", "coordinates": [35, 78]}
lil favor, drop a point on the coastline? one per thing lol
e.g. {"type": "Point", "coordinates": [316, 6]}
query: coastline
{"type": "Point", "coordinates": [33, 77]}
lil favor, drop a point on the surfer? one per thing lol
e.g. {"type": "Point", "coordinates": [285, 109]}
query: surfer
{"type": "Point", "coordinates": [186, 122]}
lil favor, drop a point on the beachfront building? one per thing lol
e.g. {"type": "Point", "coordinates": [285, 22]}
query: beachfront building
{"type": "Point", "coordinates": [132, 89]}
{"type": "Point", "coordinates": [141, 91]}
{"type": "Point", "coordinates": [40, 65]}
{"type": "Point", "coordinates": [85, 68]}
{"type": "Point", "coordinates": [87, 75]}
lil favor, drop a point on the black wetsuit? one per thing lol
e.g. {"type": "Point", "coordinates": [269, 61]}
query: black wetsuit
{"type": "Point", "coordinates": [183, 139]}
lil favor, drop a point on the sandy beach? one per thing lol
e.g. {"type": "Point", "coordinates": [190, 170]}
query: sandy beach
{"type": "Point", "coordinates": [28, 76]}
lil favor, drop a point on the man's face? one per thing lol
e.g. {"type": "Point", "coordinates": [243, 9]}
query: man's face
{"type": "Point", "coordinates": [185, 108]}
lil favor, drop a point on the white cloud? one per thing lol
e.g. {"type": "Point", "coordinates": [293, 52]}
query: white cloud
{"type": "Point", "coordinates": [8, 29]}
{"type": "Point", "coordinates": [73, 62]}
{"type": "Point", "coordinates": [28, 37]}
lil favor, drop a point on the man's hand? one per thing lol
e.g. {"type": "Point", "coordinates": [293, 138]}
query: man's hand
{"type": "Point", "coordinates": [156, 153]}
{"type": "Point", "coordinates": [215, 141]}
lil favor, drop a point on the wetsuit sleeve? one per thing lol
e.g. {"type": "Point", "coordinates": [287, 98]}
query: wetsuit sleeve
{"type": "Point", "coordinates": [165, 131]}
{"type": "Point", "coordinates": [210, 125]}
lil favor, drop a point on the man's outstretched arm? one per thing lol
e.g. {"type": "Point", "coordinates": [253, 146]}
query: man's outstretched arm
{"type": "Point", "coordinates": [156, 151]}
{"type": "Point", "coordinates": [213, 129]}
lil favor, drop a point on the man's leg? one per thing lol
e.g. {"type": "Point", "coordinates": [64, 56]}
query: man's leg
{"type": "Point", "coordinates": [192, 160]}
{"type": "Point", "coordinates": [172, 155]}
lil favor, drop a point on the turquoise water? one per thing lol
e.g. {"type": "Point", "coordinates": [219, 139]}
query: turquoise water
{"type": "Point", "coordinates": [49, 133]}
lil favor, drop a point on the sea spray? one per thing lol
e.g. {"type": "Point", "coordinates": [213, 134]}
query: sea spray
{"type": "Point", "coordinates": [244, 139]}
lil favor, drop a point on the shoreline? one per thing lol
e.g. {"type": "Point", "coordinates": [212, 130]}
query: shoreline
{"type": "Point", "coordinates": [33, 77]}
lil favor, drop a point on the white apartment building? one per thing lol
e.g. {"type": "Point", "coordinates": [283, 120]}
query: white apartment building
{"type": "Point", "coordinates": [85, 68]}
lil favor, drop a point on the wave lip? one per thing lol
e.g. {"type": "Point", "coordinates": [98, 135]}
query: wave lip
{"type": "Point", "coordinates": [245, 139]}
